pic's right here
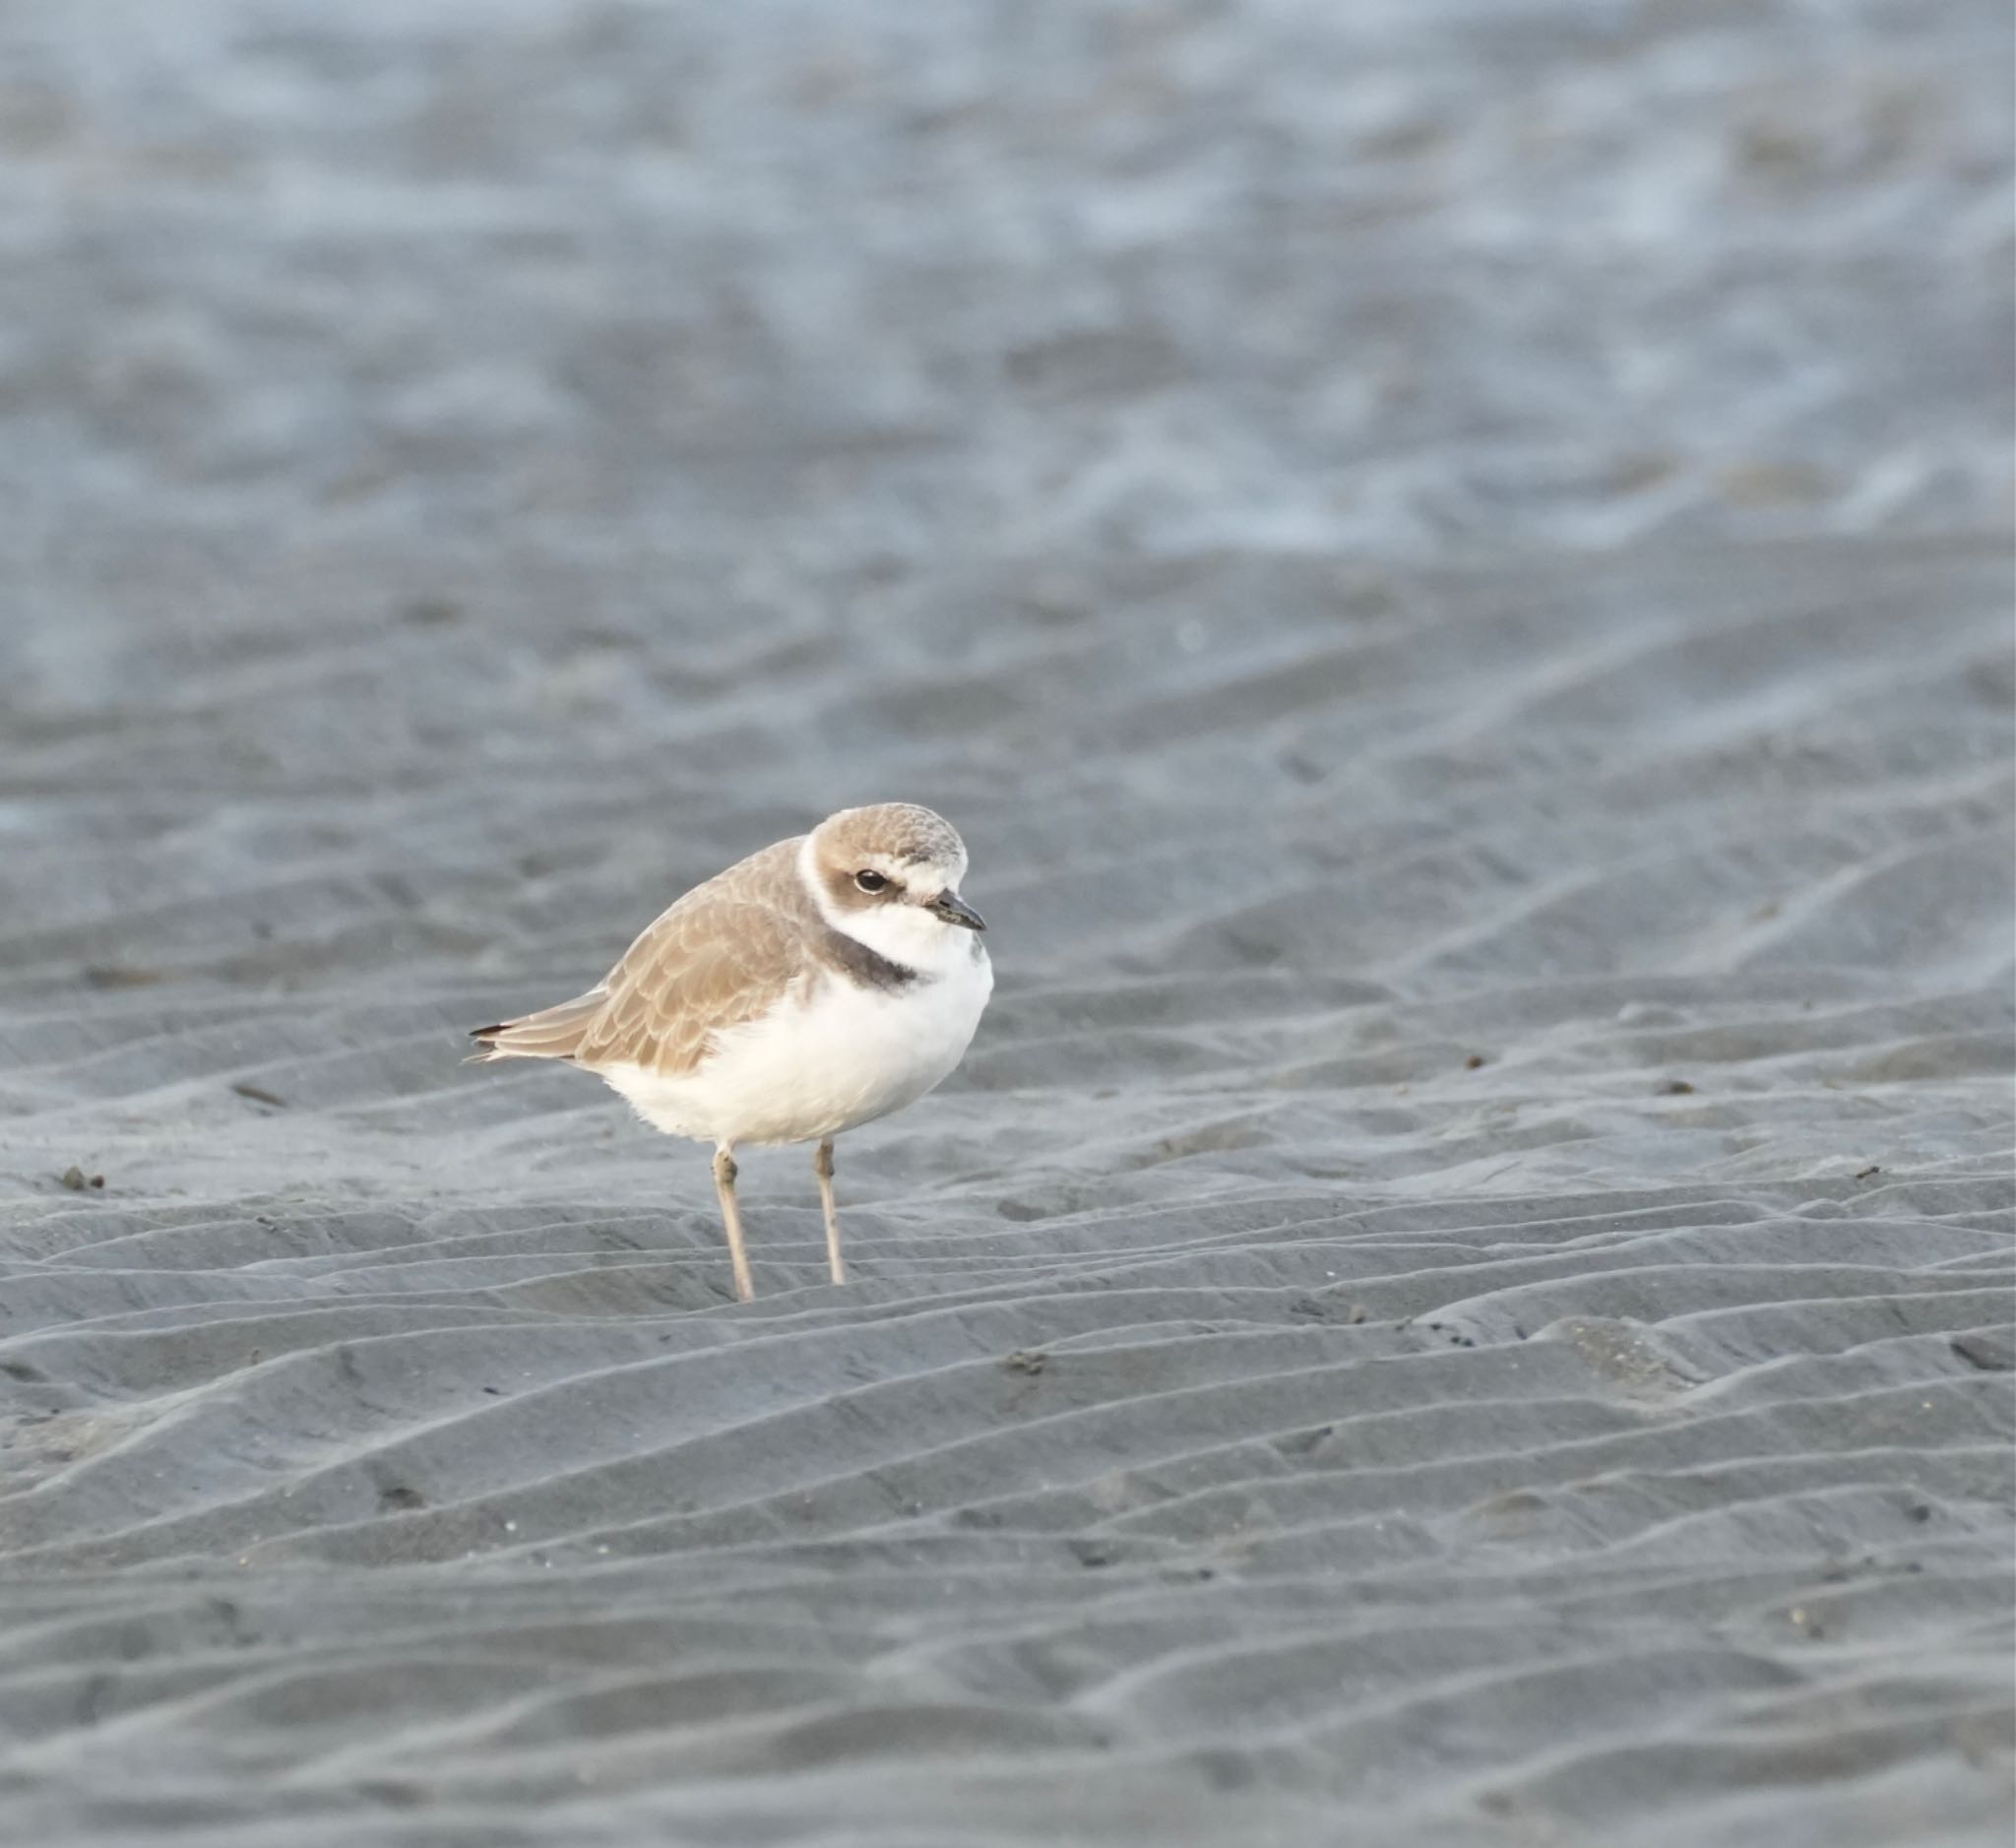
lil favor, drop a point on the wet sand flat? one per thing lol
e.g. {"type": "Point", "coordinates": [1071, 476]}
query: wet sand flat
{"type": "Point", "coordinates": [1453, 567]}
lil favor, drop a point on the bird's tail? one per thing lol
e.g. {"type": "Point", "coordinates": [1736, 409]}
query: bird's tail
{"type": "Point", "coordinates": [552, 1033]}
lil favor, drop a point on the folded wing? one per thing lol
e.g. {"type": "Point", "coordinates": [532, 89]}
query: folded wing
{"type": "Point", "coordinates": [695, 973]}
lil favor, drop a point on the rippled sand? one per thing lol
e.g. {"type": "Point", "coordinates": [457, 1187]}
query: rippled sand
{"type": "Point", "coordinates": [1453, 566]}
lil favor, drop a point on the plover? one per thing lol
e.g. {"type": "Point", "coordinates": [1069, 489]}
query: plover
{"type": "Point", "coordinates": [816, 986]}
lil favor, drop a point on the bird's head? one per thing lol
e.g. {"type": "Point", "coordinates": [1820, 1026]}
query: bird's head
{"type": "Point", "coordinates": [889, 877]}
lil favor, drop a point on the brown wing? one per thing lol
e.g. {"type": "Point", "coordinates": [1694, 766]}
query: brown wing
{"type": "Point", "coordinates": [694, 974]}
{"type": "Point", "coordinates": [552, 1033]}
{"type": "Point", "coordinates": [722, 955]}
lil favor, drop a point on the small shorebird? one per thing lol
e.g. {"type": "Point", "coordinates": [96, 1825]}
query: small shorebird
{"type": "Point", "coordinates": [820, 984]}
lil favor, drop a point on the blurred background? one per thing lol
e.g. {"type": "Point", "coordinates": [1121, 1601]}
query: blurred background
{"type": "Point", "coordinates": [517, 453]}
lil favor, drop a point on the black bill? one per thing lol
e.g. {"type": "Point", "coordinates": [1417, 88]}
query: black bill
{"type": "Point", "coordinates": [955, 910]}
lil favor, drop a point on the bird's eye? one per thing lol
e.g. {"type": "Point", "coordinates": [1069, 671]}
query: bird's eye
{"type": "Point", "coordinates": [869, 880]}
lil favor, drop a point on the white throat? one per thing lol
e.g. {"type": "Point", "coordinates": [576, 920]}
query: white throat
{"type": "Point", "coordinates": [905, 933]}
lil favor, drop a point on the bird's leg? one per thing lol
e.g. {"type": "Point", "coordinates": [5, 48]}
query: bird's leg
{"type": "Point", "coordinates": [731, 1219]}
{"type": "Point", "coordinates": [822, 1166]}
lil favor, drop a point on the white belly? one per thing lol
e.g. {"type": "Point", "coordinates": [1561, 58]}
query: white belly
{"type": "Point", "coordinates": [842, 1056]}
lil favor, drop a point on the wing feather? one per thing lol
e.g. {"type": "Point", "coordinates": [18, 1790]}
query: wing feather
{"type": "Point", "coordinates": [725, 953]}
